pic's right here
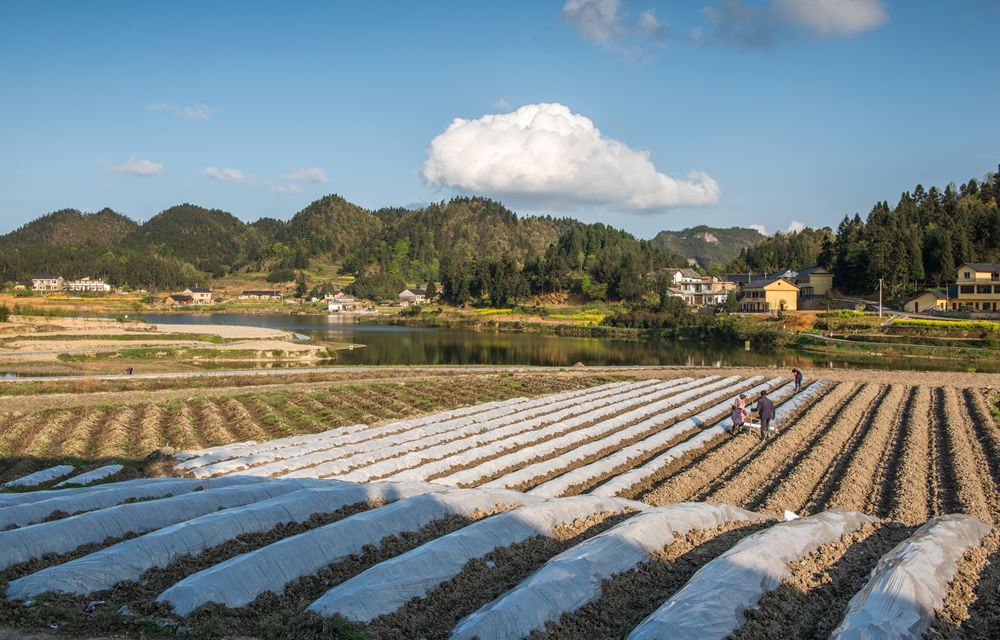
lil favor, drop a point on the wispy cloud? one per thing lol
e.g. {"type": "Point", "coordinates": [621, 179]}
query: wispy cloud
{"type": "Point", "coordinates": [280, 188]}
{"type": "Point", "coordinates": [795, 226]}
{"type": "Point", "coordinates": [501, 104]}
{"type": "Point", "coordinates": [754, 26]}
{"type": "Point", "coordinates": [312, 174]}
{"type": "Point", "coordinates": [225, 175]}
{"type": "Point", "coordinates": [608, 24]}
{"type": "Point", "coordinates": [196, 112]}
{"type": "Point", "coordinates": [137, 167]}
{"type": "Point", "coordinates": [759, 228]}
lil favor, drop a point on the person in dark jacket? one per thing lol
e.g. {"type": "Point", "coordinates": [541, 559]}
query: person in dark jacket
{"type": "Point", "coordinates": [765, 409]}
{"type": "Point", "coordinates": [797, 379]}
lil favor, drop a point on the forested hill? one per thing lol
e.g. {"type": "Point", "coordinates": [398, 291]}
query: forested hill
{"type": "Point", "coordinates": [916, 243]}
{"type": "Point", "coordinates": [710, 246]}
{"type": "Point", "coordinates": [188, 244]}
{"type": "Point", "coordinates": [71, 227]}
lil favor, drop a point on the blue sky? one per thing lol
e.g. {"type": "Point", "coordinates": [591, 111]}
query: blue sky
{"type": "Point", "coordinates": [787, 110]}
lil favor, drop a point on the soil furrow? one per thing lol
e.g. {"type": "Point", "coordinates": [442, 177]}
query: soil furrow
{"type": "Point", "coordinates": [483, 580]}
{"type": "Point", "coordinates": [241, 422]}
{"type": "Point", "coordinates": [911, 501]}
{"type": "Point", "coordinates": [812, 470]}
{"type": "Point", "coordinates": [887, 477]}
{"type": "Point", "coordinates": [762, 469]}
{"type": "Point", "coordinates": [813, 600]}
{"type": "Point", "coordinates": [629, 597]}
{"type": "Point", "coordinates": [857, 468]}
{"type": "Point", "coordinates": [953, 495]}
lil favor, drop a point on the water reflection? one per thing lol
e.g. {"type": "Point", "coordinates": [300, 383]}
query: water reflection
{"type": "Point", "coordinates": [426, 346]}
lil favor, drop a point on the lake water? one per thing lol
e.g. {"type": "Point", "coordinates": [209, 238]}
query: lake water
{"type": "Point", "coordinates": [428, 346]}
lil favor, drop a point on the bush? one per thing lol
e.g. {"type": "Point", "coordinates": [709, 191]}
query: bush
{"type": "Point", "coordinates": [4, 313]}
{"type": "Point", "coordinates": [281, 275]}
{"type": "Point", "coordinates": [959, 325]}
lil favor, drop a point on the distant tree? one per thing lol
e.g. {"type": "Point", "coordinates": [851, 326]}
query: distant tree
{"type": "Point", "coordinates": [732, 302]}
{"type": "Point", "coordinates": [431, 289]}
{"type": "Point", "coordinates": [4, 313]}
{"type": "Point", "coordinates": [280, 275]}
{"type": "Point", "coordinates": [300, 285]}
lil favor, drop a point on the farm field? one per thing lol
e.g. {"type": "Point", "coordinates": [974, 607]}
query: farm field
{"type": "Point", "coordinates": [460, 501]}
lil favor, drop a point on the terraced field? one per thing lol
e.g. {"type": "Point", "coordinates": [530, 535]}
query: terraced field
{"type": "Point", "coordinates": [604, 509]}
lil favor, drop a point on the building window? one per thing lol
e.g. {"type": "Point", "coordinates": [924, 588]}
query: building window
{"type": "Point", "coordinates": [968, 275]}
{"type": "Point", "coordinates": [984, 288]}
{"type": "Point", "coordinates": [966, 288]}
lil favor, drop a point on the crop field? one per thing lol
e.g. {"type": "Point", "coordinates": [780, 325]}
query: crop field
{"type": "Point", "coordinates": [588, 506]}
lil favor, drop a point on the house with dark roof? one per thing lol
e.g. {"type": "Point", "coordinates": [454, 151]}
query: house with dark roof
{"type": "Point", "coordinates": [977, 287]}
{"type": "Point", "coordinates": [412, 296]}
{"type": "Point", "coordinates": [178, 299]}
{"type": "Point", "coordinates": [46, 283]}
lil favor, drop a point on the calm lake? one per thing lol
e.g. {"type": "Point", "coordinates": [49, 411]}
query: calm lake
{"type": "Point", "coordinates": [427, 346]}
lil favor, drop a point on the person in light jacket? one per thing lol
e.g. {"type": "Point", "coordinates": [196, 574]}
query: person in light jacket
{"type": "Point", "coordinates": [738, 415]}
{"type": "Point", "coordinates": [765, 410]}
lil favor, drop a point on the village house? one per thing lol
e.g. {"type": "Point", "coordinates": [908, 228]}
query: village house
{"type": "Point", "coordinates": [178, 299]}
{"type": "Point", "coordinates": [931, 300]}
{"type": "Point", "coordinates": [412, 296]}
{"type": "Point", "coordinates": [46, 283]}
{"type": "Point", "coordinates": [813, 282]}
{"type": "Point", "coordinates": [89, 286]}
{"type": "Point", "coordinates": [200, 295]}
{"type": "Point", "coordinates": [977, 287]}
{"type": "Point", "coordinates": [772, 294]}
{"type": "Point", "coordinates": [341, 301]}
{"type": "Point", "coordinates": [265, 294]}
{"type": "Point", "coordinates": [698, 290]}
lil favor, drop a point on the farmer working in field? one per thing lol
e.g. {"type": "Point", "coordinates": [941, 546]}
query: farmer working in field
{"type": "Point", "coordinates": [765, 410]}
{"type": "Point", "coordinates": [738, 415]}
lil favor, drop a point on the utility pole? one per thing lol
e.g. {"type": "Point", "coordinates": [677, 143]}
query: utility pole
{"type": "Point", "coordinates": [880, 297]}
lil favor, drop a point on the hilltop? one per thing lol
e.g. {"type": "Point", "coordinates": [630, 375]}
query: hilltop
{"type": "Point", "coordinates": [708, 245]}
{"type": "Point", "coordinates": [71, 227]}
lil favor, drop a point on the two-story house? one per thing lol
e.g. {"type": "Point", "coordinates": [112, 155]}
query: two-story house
{"type": "Point", "coordinates": [46, 283]}
{"type": "Point", "coordinates": [199, 295]}
{"type": "Point", "coordinates": [976, 288]}
{"type": "Point", "coordinates": [412, 296]}
{"type": "Point", "coordinates": [772, 294]}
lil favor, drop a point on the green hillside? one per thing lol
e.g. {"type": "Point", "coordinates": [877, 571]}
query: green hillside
{"type": "Point", "coordinates": [708, 245]}
{"type": "Point", "coordinates": [71, 227]}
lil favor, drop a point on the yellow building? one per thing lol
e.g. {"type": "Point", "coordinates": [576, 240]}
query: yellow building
{"type": "Point", "coordinates": [933, 300]}
{"type": "Point", "coordinates": [775, 294]}
{"type": "Point", "coordinates": [977, 287]}
{"type": "Point", "coordinates": [814, 281]}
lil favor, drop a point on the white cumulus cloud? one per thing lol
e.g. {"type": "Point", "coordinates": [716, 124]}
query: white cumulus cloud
{"type": "Point", "coordinates": [759, 228]}
{"type": "Point", "coordinates": [833, 17]}
{"type": "Point", "coordinates": [225, 175]}
{"type": "Point", "coordinates": [196, 112]}
{"type": "Point", "coordinates": [137, 167]}
{"type": "Point", "coordinates": [795, 226]}
{"type": "Point", "coordinates": [312, 174]}
{"type": "Point", "coordinates": [544, 154]}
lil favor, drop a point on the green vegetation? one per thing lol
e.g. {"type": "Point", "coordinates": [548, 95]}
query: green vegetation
{"type": "Point", "coordinates": [710, 246]}
{"type": "Point", "coordinates": [782, 251]}
{"type": "Point", "coordinates": [957, 325]}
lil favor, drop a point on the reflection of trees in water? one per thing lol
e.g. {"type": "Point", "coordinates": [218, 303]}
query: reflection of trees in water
{"type": "Point", "coordinates": [426, 346]}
